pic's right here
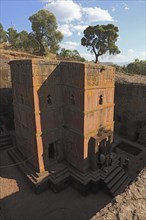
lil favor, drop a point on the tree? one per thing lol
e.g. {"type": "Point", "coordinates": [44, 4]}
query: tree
{"type": "Point", "coordinates": [45, 31]}
{"type": "Point", "coordinates": [71, 54]}
{"type": "Point", "coordinates": [3, 36]}
{"type": "Point", "coordinates": [22, 41]}
{"type": "Point", "coordinates": [100, 39]}
{"type": "Point", "coordinates": [137, 67]}
{"type": "Point", "coordinates": [12, 36]}
{"type": "Point", "coordinates": [25, 42]}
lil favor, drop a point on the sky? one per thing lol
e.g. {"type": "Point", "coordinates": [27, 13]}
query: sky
{"type": "Point", "coordinates": [74, 16]}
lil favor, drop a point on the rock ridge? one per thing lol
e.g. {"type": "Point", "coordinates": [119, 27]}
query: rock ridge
{"type": "Point", "coordinates": [129, 205]}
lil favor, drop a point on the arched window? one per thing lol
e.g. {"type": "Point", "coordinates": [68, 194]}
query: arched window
{"type": "Point", "coordinates": [100, 99]}
{"type": "Point", "coordinates": [72, 99]}
{"type": "Point", "coordinates": [49, 99]}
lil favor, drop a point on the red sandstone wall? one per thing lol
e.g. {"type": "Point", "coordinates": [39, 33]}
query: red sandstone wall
{"type": "Point", "coordinates": [46, 81]}
{"type": "Point", "coordinates": [98, 116]}
{"type": "Point", "coordinates": [72, 85]}
{"type": "Point", "coordinates": [23, 105]}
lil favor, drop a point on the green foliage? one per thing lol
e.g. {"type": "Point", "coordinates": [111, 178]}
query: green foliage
{"type": "Point", "coordinates": [101, 39]}
{"type": "Point", "coordinates": [137, 67]}
{"type": "Point", "coordinates": [3, 36]}
{"type": "Point", "coordinates": [21, 41]}
{"type": "Point", "coordinates": [25, 42]}
{"type": "Point", "coordinates": [71, 54]}
{"type": "Point", "coordinates": [12, 37]}
{"type": "Point", "coordinates": [45, 32]}
{"type": "Point", "coordinates": [119, 69]}
{"type": "Point", "coordinates": [43, 40]}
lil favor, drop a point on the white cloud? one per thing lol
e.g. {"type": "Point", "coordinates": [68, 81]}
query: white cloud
{"type": "Point", "coordinates": [127, 57]}
{"type": "Point", "coordinates": [130, 51]}
{"type": "Point", "coordinates": [113, 9]}
{"type": "Point", "coordinates": [64, 10]}
{"type": "Point", "coordinates": [68, 29]}
{"type": "Point", "coordinates": [126, 8]}
{"type": "Point", "coordinates": [119, 58]}
{"type": "Point", "coordinates": [96, 14]}
{"type": "Point", "coordinates": [79, 28]}
{"type": "Point", "coordinates": [118, 39]}
{"type": "Point", "coordinates": [88, 56]}
{"type": "Point", "coordinates": [65, 30]}
{"type": "Point", "coordinates": [71, 45]}
{"type": "Point", "coordinates": [68, 11]}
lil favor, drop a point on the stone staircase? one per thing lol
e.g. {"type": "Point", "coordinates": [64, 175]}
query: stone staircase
{"type": "Point", "coordinates": [116, 180]}
{"type": "Point", "coordinates": [24, 165]}
{"type": "Point", "coordinates": [90, 175]}
{"type": "Point", "coordinates": [5, 141]}
{"type": "Point", "coordinates": [58, 175]}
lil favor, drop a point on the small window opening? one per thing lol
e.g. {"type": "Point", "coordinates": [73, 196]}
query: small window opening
{"type": "Point", "coordinates": [49, 99]}
{"type": "Point", "coordinates": [72, 100]}
{"type": "Point", "coordinates": [51, 151]}
{"type": "Point", "coordinates": [22, 100]}
{"type": "Point", "coordinates": [102, 69]}
{"type": "Point", "coordinates": [100, 99]}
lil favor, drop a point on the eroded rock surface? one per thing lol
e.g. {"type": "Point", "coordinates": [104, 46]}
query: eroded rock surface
{"type": "Point", "coordinates": [130, 105]}
{"type": "Point", "coordinates": [130, 205]}
{"type": "Point", "coordinates": [131, 78]}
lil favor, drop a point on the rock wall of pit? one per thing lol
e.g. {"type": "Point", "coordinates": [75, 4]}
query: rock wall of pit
{"type": "Point", "coordinates": [6, 106]}
{"type": "Point", "coordinates": [130, 107]}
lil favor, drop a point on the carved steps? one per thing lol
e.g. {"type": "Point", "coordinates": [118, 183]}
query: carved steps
{"type": "Point", "coordinates": [112, 174]}
{"type": "Point", "coordinates": [123, 187]}
{"type": "Point", "coordinates": [84, 178]}
{"type": "Point", "coordinates": [27, 164]}
{"type": "Point", "coordinates": [116, 181]}
{"type": "Point", "coordinates": [120, 185]}
{"type": "Point", "coordinates": [107, 171]}
{"type": "Point", "coordinates": [25, 169]}
{"type": "Point", "coordinates": [116, 158]}
{"type": "Point", "coordinates": [58, 172]}
{"type": "Point", "coordinates": [95, 176]}
{"type": "Point", "coordinates": [113, 177]}
{"type": "Point", "coordinates": [5, 141]}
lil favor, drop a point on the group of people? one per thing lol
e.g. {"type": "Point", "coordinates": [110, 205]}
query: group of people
{"type": "Point", "coordinates": [105, 159]}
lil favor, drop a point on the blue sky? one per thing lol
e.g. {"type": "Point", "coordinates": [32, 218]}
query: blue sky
{"type": "Point", "coordinates": [74, 16]}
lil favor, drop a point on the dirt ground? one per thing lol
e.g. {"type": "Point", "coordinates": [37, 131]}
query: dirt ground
{"type": "Point", "coordinates": [19, 202]}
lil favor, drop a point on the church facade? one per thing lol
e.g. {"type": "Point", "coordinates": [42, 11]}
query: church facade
{"type": "Point", "coordinates": [63, 112]}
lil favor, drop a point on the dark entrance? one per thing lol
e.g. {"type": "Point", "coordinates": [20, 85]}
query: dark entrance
{"type": "Point", "coordinates": [51, 151]}
{"type": "Point", "coordinates": [102, 147]}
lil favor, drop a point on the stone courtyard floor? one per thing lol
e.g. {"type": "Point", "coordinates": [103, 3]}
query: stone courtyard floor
{"type": "Point", "coordinates": [19, 202]}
